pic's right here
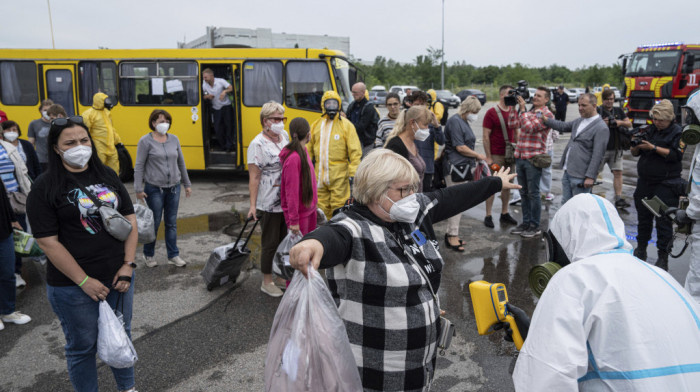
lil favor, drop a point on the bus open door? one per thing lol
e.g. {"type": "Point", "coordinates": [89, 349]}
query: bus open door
{"type": "Point", "coordinates": [217, 156]}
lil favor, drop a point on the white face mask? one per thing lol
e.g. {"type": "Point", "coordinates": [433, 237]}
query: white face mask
{"type": "Point", "coordinates": [77, 157]}
{"type": "Point", "coordinates": [162, 128]}
{"type": "Point", "coordinates": [404, 210]}
{"type": "Point", "coordinates": [471, 117]}
{"type": "Point", "coordinates": [45, 115]}
{"type": "Point", "coordinates": [277, 127]}
{"type": "Point", "coordinates": [11, 136]}
{"type": "Point", "coordinates": [421, 134]}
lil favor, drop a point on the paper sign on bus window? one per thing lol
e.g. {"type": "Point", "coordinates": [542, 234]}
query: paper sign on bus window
{"type": "Point", "coordinates": [173, 86]}
{"type": "Point", "coordinates": [157, 86]}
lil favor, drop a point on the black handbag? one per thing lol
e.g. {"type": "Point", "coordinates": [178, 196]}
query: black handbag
{"type": "Point", "coordinates": [461, 173]}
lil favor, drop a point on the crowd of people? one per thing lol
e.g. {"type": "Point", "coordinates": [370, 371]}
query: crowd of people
{"type": "Point", "coordinates": [381, 181]}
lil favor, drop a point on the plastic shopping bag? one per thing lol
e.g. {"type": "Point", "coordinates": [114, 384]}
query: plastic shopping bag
{"type": "Point", "coordinates": [481, 170]}
{"type": "Point", "coordinates": [309, 348]}
{"type": "Point", "coordinates": [144, 223]}
{"type": "Point", "coordinates": [280, 263]}
{"type": "Point", "coordinates": [114, 346]}
{"type": "Point", "coordinates": [25, 244]}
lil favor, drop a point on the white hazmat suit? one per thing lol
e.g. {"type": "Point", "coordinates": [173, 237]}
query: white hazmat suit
{"type": "Point", "coordinates": [608, 321]}
{"type": "Point", "coordinates": [692, 280]}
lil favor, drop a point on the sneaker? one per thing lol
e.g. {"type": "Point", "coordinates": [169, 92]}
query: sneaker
{"type": "Point", "coordinates": [271, 290]}
{"type": "Point", "coordinates": [520, 228]}
{"type": "Point", "coordinates": [177, 261]}
{"type": "Point", "coordinates": [621, 203]}
{"type": "Point", "coordinates": [515, 202]}
{"type": "Point", "coordinates": [15, 317]}
{"type": "Point", "coordinates": [641, 254]}
{"type": "Point", "coordinates": [532, 231]}
{"type": "Point", "coordinates": [506, 219]}
{"type": "Point", "coordinates": [150, 261]}
{"type": "Point", "coordinates": [488, 221]}
{"type": "Point", "coordinates": [19, 282]}
{"type": "Point", "coordinates": [549, 197]}
{"type": "Point", "coordinates": [2, 326]}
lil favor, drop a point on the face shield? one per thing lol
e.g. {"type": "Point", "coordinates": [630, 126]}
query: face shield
{"type": "Point", "coordinates": [331, 107]}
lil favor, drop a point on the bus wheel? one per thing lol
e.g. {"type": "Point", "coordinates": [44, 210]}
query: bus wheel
{"type": "Point", "coordinates": [126, 166]}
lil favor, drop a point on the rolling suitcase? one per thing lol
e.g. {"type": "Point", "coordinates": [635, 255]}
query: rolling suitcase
{"type": "Point", "coordinates": [225, 262]}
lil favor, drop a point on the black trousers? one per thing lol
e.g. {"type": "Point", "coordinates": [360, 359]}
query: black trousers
{"type": "Point", "coordinates": [223, 126]}
{"type": "Point", "coordinates": [560, 114]}
{"type": "Point", "coordinates": [645, 219]}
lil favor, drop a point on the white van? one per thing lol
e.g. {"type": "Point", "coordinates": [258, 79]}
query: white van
{"type": "Point", "coordinates": [401, 90]}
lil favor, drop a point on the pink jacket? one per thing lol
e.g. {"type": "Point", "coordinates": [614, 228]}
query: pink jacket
{"type": "Point", "coordinates": [290, 187]}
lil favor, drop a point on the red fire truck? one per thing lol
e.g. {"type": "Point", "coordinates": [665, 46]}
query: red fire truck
{"type": "Point", "coordinates": [655, 72]}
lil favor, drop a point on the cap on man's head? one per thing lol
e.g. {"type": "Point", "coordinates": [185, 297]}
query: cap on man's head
{"type": "Point", "coordinates": [561, 86]}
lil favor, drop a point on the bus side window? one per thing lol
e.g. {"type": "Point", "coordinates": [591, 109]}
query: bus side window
{"type": "Point", "coordinates": [159, 83]}
{"type": "Point", "coordinates": [18, 83]}
{"type": "Point", "coordinates": [262, 82]}
{"type": "Point", "coordinates": [97, 76]}
{"type": "Point", "coordinates": [305, 83]}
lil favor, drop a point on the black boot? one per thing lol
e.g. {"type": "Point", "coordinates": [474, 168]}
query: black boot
{"type": "Point", "coordinates": [662, 261]}
{"type": "Point", "coordinates": [640, 253]}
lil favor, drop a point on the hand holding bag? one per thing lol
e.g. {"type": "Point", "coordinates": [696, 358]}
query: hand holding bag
{"type": "Point", "coordinates": [144, 222]}
{"type": "Point", "coordinates": [280, 263]}
{"type": "Point", "coordinates": [114, 346]}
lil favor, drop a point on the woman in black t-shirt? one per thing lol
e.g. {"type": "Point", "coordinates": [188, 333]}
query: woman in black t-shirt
{"type": "Point", "coordinates": [87, 264]}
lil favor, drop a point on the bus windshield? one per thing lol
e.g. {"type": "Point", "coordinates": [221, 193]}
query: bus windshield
{"type": "Point", "coordinates": [345, 76]}
{"type": "Point", "coordinates": [661, 63]}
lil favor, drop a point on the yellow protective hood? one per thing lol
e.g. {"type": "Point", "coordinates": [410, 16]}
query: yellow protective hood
{"type": "Point", "coordinates": [329, 95]}
{"type": "Point", "coordinates": [98, 101]}
{"type": "Point", "coordinates": [432, 94]}
{"type": "Point", "coordinates": [606, 86]}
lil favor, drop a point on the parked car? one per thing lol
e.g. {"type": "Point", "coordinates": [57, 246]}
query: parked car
{"type": "Point", "coordinates": [401, 90]}
{"type": "Point", "coordinates": [448, 99]}
{"type": "Point", "coordinates": [377, 97]}
{"type": "Point", "coordinates": [462, 95]}
{"type": "Point", "coordinates": [378, 88]}
{"type": "Point", "coordinates": [577, 91]}
{"type": "Point", "coordinates": [618, 95]}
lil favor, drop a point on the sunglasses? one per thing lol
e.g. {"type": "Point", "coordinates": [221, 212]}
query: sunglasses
{"type": "Point", "coordinates": [62, 122]}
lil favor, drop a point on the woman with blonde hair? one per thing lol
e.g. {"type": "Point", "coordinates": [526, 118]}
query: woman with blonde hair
{"type": "Point", "coordinates": [461, 159]}
{"type": "Point", "coordinates": [265, 170]}
{"type": "Point", "coordinates": [383, 267]}
{"type": "Point", "coordinates": [411, 125]}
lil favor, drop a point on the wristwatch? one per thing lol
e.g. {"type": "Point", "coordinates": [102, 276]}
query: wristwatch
{"type": "Point", "coordinates": [130, 264]}
{"type": "Point", "coordinates": [654, 149]}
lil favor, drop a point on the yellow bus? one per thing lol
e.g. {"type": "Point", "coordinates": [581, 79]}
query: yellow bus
{"type": "Point", "coordinates": [141, 80]}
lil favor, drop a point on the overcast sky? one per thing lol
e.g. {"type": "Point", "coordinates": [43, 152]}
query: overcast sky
{"type": "Point", "coordinates": [537, 33]}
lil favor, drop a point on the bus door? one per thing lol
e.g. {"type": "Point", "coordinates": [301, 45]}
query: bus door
{"type": "Point", "coordinates": [215, 123]}
{"type": "Point", "coordinates": [58, 85]}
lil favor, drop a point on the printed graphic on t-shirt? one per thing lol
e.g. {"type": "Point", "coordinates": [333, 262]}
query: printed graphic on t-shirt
{"type": "Point", "coordinates": [89, 217]}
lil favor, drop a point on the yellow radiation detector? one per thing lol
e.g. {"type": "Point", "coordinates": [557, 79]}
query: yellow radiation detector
{"type": "Point", "coordinates": [489, 301]}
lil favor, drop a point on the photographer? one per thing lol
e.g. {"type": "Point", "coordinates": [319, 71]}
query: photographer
{"type": "Point", "coordinates": [618, 124]}
{"type": "Point", "coordinates": [659, 174]}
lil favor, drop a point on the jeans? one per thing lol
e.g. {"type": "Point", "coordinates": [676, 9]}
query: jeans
{"type": "Point", "coordinates": [164, 203]}
{"type": "Point", "coordinates": [570, 187]}
{"type": "Point", "coordinates": [8, 291]}
{"type": "Point", "coordinates": [22, 219]}
{"type": "Point", "coordinates": [529, 178]}
{"type": "Point", "coordinates": [546, 181]}
{"type": "Point", "coordinates": [78, 315]}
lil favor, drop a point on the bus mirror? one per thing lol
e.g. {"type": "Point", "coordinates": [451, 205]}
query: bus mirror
{"type": "Point", "coordinates": [689, 63]}
{"type": "Point", "coordinates": [624, 66]}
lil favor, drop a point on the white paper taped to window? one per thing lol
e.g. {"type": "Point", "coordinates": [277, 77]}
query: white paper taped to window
{"type": "Point", "coordinates": [157, 86]}
{"type": "Point", "coordinates": [173, 86]}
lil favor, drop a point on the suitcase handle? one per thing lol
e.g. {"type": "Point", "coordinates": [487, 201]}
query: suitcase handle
{"type": "Point", "coordinates": [240, 235]}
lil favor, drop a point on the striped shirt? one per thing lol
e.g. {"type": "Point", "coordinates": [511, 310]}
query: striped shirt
{"type": "Point", "coordinates": [384, 127]}
{"type": "Point", "coordinates": [533, 134]}
{"type": "Point", "coordinates": [7, 172]}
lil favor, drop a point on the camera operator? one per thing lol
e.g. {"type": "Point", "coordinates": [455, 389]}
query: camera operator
{"type": "Point", "coordinates": [659, 174]}
{"type": "Point", "coordinates": [619, 141]}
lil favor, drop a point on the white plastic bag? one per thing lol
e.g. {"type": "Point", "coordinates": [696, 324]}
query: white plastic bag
{"type": "Point", "coordinates": [280, 263]}
{"type": "Point", "coordinates": [144, 223]}
{"type": "Point", "coordinates": [113, 344]}
{"type": "Point", "coordinates": [309, 348]}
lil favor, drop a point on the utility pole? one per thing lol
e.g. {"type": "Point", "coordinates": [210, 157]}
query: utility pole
{"type": "Point", "coordinates": [442, 63]}
{"type": "Point", "coordinates": [53, 44]}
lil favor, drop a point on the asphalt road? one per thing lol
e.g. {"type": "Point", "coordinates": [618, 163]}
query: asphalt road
{"type": "Point", "coordinates": [191, 339]}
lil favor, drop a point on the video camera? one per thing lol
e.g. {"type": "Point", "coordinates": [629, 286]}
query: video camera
{"type": "Point", "coordinates": [521, 91]}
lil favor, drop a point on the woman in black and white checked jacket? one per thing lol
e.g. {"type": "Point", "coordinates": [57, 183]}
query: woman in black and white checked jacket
{"type": "Point", "coordinates": [386, 303]}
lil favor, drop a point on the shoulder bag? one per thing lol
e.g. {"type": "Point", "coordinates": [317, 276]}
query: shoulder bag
{"type": "Point", "coordinates": [509, 158]}
{"type": "Point", "coordinates": [114, 222]}
{"type": "Point", "coordinates": [18, 201]}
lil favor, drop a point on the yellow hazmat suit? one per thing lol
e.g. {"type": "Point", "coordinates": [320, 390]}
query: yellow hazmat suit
{"type": "Point", "coordinates": [337, 152]}
{"type": "Point", "coordinates": [99, 121]}
{"type": "Point", "coordinates": [437, 107]}
{"type": "Point", "coordinates": [599, 94]}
